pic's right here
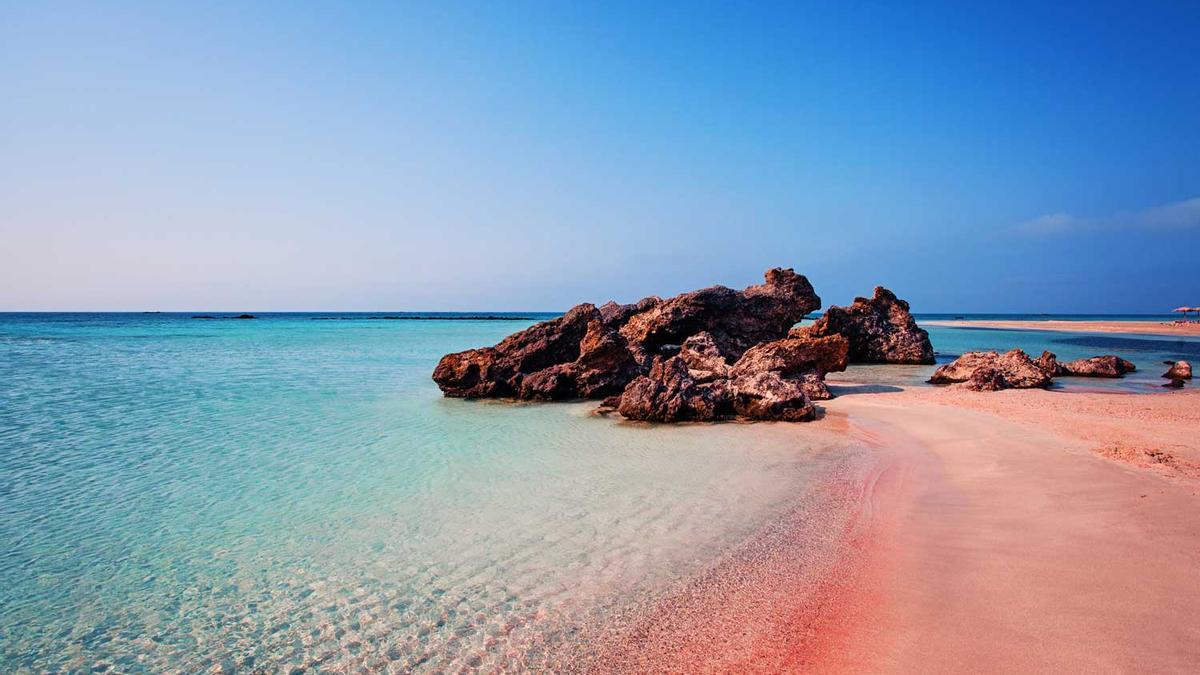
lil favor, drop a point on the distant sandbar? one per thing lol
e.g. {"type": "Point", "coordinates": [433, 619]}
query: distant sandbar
{"type": "Point", "coordinates": [1140, 327]}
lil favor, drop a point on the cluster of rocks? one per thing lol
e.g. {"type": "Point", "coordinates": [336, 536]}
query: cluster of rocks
{"type": "Point", "coordinates": [1014, 369]}
{"type": "Point", "coordinates": [710, 354]}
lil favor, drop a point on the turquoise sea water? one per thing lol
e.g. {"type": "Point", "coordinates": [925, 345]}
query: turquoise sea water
{"type": "Point", "coordinates": [290, 495]}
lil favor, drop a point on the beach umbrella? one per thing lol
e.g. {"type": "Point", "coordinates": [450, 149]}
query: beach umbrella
{"type": "Point", "coordinates": [1185, 310]}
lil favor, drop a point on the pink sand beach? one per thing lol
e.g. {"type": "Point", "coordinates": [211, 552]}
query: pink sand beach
{"type": "Point", "coordinates": [1016, 531]}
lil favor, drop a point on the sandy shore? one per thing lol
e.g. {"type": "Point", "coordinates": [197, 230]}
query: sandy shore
{"type": "Point", "coordinates": [1140, 327]}
{"type": "Point", "coordinates": [1016, 531]}
{"type": "Point", "coordinates": [1036, 531]}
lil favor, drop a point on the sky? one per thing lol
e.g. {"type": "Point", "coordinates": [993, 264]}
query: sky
{"type": "Point", "coordinates": [1002, 157]}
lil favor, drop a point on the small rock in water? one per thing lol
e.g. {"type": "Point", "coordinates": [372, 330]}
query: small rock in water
{"type": "Point", "coordinates": [1180, 370]}
{"type": "Point", "coordinates": [990, 371]}
{"type": "Point", "coordinates": [1098, 366]}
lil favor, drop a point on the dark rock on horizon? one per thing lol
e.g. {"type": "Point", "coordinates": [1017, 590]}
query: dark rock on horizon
{"type": "Point", "coordinates": [880, 330]}
{"type": "Point", "coordinates": [991, 371]}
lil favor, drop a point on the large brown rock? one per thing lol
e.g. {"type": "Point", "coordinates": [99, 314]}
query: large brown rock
{"type": "Point", "coordinates": [880, 330]}
{"type": "Point", "coordinates": [594, 352]}
{"type": "Point", "coordinates": [775, 380]}
{"type": "Point", "coordinates": [703, 359]}
{"type": "Point", "coordinates": [1098, 366]}
{"type": "Point", "coordinates": [796, 354]}
{"type": "Point", "coordinates": [572, 356]}
{"type": "Point", "coordinates": [670, 394]}
{"type": "Point", "coordinates": [800, 358]}
{"type": "Point", "coordinates": [990, 371]}
{"type": "Point", "coordinates": [736, 320]}
{"type": "Point", "coordinates": [768, 396]}
{"type": "Point", "coordinates": [1180, 370]}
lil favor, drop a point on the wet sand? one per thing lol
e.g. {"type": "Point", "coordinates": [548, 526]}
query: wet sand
{"type": "Point", "coordinates": [1017, 531]}
{"type": "Point", "coordinates": [1139, 327]}
{"type": "Point", "coordinates": [1024, 543]}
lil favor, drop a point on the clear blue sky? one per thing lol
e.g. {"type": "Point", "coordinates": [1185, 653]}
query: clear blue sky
{"type": "Point", "coordinates": [509, 155]}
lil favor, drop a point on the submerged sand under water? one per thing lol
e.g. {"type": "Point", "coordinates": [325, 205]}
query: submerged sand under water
{"type": "Point", "coordinates": [294, 495]}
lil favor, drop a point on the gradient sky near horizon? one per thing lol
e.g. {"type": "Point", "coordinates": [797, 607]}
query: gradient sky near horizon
{"type": "Point", "coordinates": [528, 156]}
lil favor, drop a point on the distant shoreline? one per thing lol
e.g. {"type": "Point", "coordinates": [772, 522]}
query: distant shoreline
{"type": "Point", "coordinates": [422, 318]}
{"type": "Point", "coordinates": [1083, 326]}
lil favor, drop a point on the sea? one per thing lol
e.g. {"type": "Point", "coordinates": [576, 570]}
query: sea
{"type": "Point", "coordinates": [291, 493]}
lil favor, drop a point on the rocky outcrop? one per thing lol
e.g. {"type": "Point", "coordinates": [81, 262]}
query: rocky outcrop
{"type": "Point", "coordinates": [1180, 370]}
{"type": "Point", "coordinates": [769, 396]}
{"type": "Point", "coordinates": [703, 359]}
{"type": "Point", "coordinates": [615, 315]}
{"type": "Point", "coordinates": [991, 371]}
{"type": "Point", "coordinates": [800, 358]}
{"type": "Point", "coordinates": [679, 352]}
{"type": "Point", "coordinates": [1098, 366]}
{"type": "Point", "coordinates": [775, 380]}
{"type": "Point", "coordinates": [880, 330]}
{"type": "Point", "coordinates": [1048, 363]}
{"type": "Point", "coordinates": [736, 320]}
{"type": "Point", "coordinates": [670, 394]}
{"type": "Point", "coordinates": [547, 354]}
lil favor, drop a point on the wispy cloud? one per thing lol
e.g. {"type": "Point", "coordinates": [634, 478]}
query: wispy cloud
{"type": "Point", "coordinates": [1172, 216]}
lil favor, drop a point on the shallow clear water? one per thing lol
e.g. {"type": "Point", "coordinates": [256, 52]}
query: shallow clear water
{"type": "Point", "coordinates": [289, 494]}
{"type": "Point", "coordinates": [280, 494]}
